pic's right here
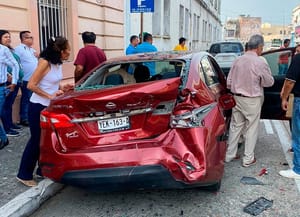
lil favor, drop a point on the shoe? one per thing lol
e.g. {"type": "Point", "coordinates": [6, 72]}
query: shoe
{"type": "Point", "coordinates": [12, 133]}
{"type": "Point", "coordinates": [39, 177]}
{"type": "Point", "coordinates": [237, 157]}
{"type": "Point", "coordinates": [29, 183]}
{"type": "Point", "coordinates": [250, 164]}
{"type": "Point", "coordinates": [16, 127]}
{"type": "Point", "coordinates": [24, 123]}
{"type": "Point", "coordinates": [3, 144]}
{"type": "Point", "coordinates": [289, 174]}
{"type": "Point", "coordinates": [291, 150]}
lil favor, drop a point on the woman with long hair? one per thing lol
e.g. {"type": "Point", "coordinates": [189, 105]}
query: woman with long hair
{"type": "Point", "coordinates": [45, 85]}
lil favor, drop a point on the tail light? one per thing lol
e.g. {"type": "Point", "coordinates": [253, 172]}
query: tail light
{"type": "Point", "coordinates": [192, 118]}
{"type": "Point", "coordinates": [49, 120]}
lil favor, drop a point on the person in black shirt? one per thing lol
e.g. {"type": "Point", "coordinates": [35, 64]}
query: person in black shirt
{"type": "Point", "coordinates": [292, 84]}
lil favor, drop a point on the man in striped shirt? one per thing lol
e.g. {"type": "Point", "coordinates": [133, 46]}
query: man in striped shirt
{"type": "Point", "coordinates": [6, 59]}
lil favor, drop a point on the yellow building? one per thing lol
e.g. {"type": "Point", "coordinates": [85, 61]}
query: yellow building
{"type": "Point", "coordinates": [274, 32]}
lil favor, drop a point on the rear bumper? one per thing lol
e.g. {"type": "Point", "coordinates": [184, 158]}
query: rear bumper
{"type": "Point", "coordinates": [126, 178]}
{"type": "Point", "coordinates": [168, 161]}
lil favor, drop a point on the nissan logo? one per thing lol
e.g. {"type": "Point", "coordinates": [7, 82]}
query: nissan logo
{"type": "Point", "coordinates": [111, 105]}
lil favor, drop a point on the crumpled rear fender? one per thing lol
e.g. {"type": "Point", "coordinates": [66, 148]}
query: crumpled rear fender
{"type": "Point", "coordinates": [196, 155]}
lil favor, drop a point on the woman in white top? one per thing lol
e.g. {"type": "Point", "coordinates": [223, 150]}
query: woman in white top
{"type": "Point", "coordinates": [45, 85]}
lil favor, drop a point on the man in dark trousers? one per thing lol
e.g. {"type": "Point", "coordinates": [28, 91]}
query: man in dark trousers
{"type": "Point", "coordinates": [292, 84]}
{"type": "Point", "coordinates": [89, 56]}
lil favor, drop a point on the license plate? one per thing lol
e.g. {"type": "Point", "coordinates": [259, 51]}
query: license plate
{"type": "Point", "coordinates": [226, 58]}
{"type": "Point", "coordinates": [114, 124]}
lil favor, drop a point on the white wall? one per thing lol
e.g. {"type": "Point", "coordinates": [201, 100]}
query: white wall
{"type": "Point", "coordinates": [167, 42]}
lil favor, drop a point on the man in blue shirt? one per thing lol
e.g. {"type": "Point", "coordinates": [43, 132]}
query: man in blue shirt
{"type": "Point", "coordinates": [145, 47]}
{"type": "Point", "coordinates": [134, 41]}
{"type": "Point", "coordinates": [6, 59]}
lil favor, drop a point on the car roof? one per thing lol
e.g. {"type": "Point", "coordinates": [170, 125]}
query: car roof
{"type": "Point", "coordinates": [161, 55]}
{"type": "Point", "coordinates": [227, 42]}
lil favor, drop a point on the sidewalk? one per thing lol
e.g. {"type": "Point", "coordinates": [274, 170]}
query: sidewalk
{"type": "Point", "coordinates": [15, 198]}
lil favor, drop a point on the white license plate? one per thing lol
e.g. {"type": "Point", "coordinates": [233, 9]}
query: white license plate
{"type": "Point", "coordinates": [226, 58]}
{"type": "Point", "coordinates": [114, 124]}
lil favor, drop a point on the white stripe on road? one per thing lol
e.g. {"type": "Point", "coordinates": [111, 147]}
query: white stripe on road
{"type": "Point", "coordinates": [285, 141]}
{"type": "Point", "coordinates": [268, 126]}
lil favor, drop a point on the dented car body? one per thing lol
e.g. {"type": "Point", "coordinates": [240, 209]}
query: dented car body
{"type": "Point", "coordinates": [168, 131]}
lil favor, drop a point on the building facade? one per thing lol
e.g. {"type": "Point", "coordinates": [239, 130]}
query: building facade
{"type": "Point", "coordinates": [196, 20]}
{"type": "Point", "coordinates": [274, 33]}
{"type": "Point", "coordinates": [69, 18]}
{"type": "Point", "coordinates": [242, 28]}
{"type": "Point", "coordinates": [296, 24]}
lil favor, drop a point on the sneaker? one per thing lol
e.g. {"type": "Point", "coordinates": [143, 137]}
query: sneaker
{"type": "Point", "coordinates": [12, 133]}
{"type": "Point", "coordinates": [16, 127]}
{"type": "Point", "coordinates": [3, 144]}
{"type": "Point", "coordinates": [291, 150]}
{"type": "Point", "coordinates": [289, 174]}
{"type": "Point", "coordinates": [24, 123]}
{"type": "Point", "coordinates": [250, 164]}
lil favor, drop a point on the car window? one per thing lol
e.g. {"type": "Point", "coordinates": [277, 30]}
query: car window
{"type": "Point", "coordinates": [231, 48]}
{"type": "Point", "coordinates": [215, 48]}
{"type": "Point", "coordinates": [210, 75]}
{"type": "Point", "coordinates": [277, 60]}
{"type": "Point", "coordinates": [108, 76]}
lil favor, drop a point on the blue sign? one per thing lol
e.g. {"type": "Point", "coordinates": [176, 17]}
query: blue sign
{"type": "Point", "coordinates": [141, 6]}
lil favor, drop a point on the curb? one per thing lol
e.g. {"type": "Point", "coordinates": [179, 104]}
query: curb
{"type": "Point", "coordinates": [26, 203]}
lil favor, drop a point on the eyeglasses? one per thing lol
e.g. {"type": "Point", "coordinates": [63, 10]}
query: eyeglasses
{"type": "Point", "coordinates": [29, 37]}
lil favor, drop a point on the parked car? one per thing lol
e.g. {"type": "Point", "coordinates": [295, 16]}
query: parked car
{"type": "Point", "coordinates": [167, 131]}
{"type": "Point", "coordinates": [225, 52]}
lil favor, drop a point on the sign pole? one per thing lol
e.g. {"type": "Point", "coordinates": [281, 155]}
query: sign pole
{"type": "Point", "coordinates": [142, 16]}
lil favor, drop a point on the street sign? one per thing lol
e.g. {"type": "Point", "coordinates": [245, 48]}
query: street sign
{"type": "Point", "coordinates": [141, 6]}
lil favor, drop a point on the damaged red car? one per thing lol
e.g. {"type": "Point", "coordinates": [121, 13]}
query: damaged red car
{"type": "Point", "coordinates": [145, 121]}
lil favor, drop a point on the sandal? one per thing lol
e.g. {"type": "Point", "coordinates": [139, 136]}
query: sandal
{"type": "Point", "coordinates": [29, 183]}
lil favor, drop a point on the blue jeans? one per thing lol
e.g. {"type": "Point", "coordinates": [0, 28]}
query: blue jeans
{"type": "Point", "coordinates": [6, 114]}
{"type": "Point", "coordinates": [31, 152]}
{"type": "Point", "coordinates": [3, 136]}
{"type": "Point", "coordinates": [282, 69]}
{"type": "Point", "coordinates": [296, 134]}
{"type": "Point", "coordinates": [26, 94]}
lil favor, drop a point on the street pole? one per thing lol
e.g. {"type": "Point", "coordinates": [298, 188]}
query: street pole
{"type": "Point", "coordinates": [141, 34]}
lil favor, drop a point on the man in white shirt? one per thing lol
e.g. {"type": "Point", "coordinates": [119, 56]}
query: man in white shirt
{"type": "Point", "coordinates": [6, 59]}
{"type": "Point", "coordinates": [28, 57]}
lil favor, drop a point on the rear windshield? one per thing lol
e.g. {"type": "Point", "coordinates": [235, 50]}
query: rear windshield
{"type": "Point", "coordinates": [228, 47]}
{"type": "Point", "coordinates": [130, 73]}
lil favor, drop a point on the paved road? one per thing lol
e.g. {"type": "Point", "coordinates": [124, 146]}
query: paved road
{"type": "Point", "coordinates": [271, 153]}
{"type": "Point", "coordinates": [10, 158]}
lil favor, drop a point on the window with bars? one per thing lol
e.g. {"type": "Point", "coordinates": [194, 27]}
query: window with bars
{"type": "Point", "coordinates": [52, 15]}
{"type": "Point", "coordinates": [167, 18]}
{"type": "Point", "coordinates": [181, 20]}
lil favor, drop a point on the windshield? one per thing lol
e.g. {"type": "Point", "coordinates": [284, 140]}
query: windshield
{"type": "Point", "coordinates": [116, 74]}
{"type": "Point", "coordinates": [227, 47]}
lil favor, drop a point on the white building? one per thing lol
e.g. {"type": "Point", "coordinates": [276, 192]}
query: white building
{"type": "Point", "coordinates": [196, 20]}
{"type": "Point", "coordinates": [296, 23]}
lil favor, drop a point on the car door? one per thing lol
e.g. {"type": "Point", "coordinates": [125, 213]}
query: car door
{"type": "Point", "coordinates": [271, 108]}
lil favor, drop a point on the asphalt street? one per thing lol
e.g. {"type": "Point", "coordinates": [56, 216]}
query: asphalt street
{"type": "Point", "coordinates": [271, 154]}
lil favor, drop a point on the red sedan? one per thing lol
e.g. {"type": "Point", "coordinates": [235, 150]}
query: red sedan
{"type": "Point", "coordinates": [122, 128]}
